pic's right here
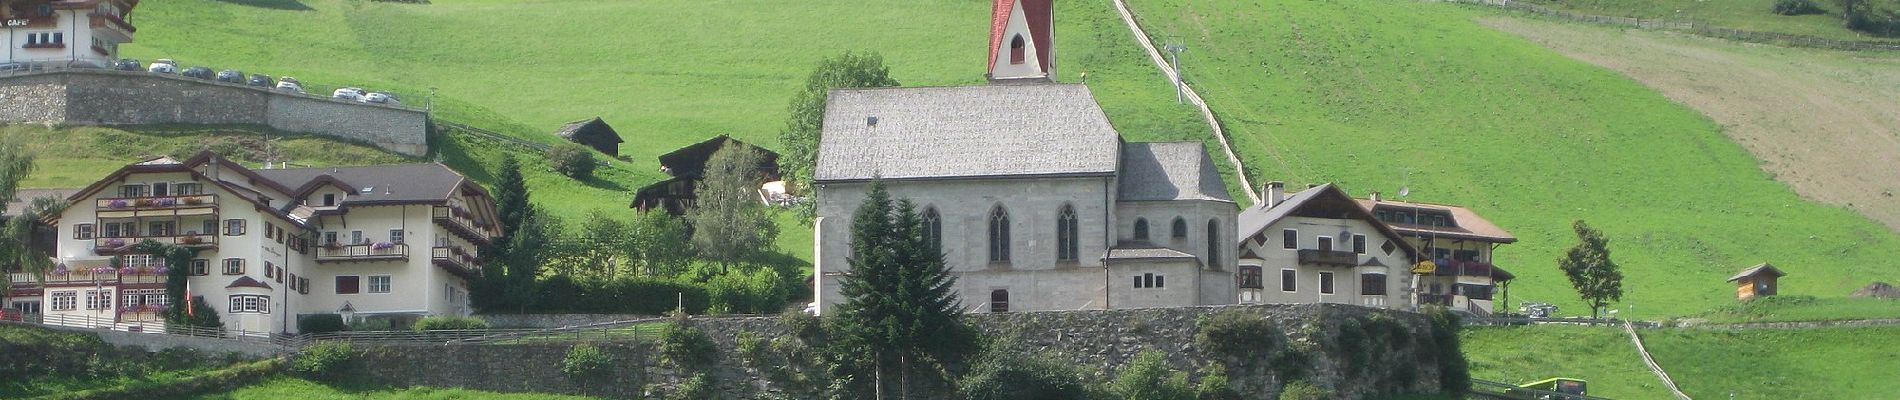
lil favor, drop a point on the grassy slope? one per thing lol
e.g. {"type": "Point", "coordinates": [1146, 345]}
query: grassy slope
{"type": "Point", "coordinates": [294, 388]}
{"type": "Point", "coordinates": [84, 362]}
{"type": "Point", "coordinates": [1804, 308]}
{"type": "Point", "coordinates": [1824, 363]}
{"type": "Point", "coordinates": [664, 73]}
{"type": "Point", "coordinates": [1602, 356]}
{"type": "Point", "coordinates": [1365, 92]}
{"type": "Point", "coordinates": [75, 157]}
{"type": "Point", "coordinates": [1751, 15]}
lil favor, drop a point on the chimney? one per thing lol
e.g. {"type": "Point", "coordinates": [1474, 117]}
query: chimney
{"type": "Point", "coordinates": [1272, 193]}
{"type": "Point", "coordinates": [1375, 197]}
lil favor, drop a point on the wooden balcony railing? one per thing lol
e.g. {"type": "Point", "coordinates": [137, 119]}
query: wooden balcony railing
{"type": "Point", "coordinates": [149, 274]}
{"type": "Point", "coordinates": [363, 252]}
{"type": "Point", "coordinates": [157, 203]}
{"type": "Point", "coordinates": [109, 20]}
{"type": "Point", "coordinates": [459, 222]}
{"type": "Point", "coordinates": [455, 260]}
{"type": "Point", "coordinates": [114, 245]}
{"type": "Point", "coordinates": [1329, 257]}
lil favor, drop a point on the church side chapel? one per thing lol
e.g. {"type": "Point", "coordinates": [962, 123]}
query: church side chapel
{"type": "Point", "coordinates": [1036, 201]}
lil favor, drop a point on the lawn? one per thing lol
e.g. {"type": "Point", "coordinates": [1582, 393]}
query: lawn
{"type": "Point", "coordinates": [77, 156]}
{"type": "Point", "coordinates": [295, 388]}
{"type": "Point", "coordinates": [664, 73]}
{"type": "Point", "coordinates": [1380, 95]}
{"type": "Point", "coordinates": [1823, 363]}
{"type": "Point", "coordinates": [1804, 308]}
{"type": "Point", "coordinates": [1603, 356]}
{"type": "Point", "coordinates": [1750, 15]}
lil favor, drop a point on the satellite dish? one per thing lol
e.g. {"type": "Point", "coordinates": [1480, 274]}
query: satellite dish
{"type": "Point", "coordinates": [1405, 191]}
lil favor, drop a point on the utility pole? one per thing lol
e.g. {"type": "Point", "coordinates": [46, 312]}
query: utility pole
{"type": "Point", "coordinates": [1174, 48]}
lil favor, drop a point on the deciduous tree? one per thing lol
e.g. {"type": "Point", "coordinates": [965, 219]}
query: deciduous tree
{"type": "Point", "coordinates": [660, 245]}
{"type": "Point", "coordinates": [806, 124]}
{"type": "Point", "coordinates": [1590, 269]}
{"type": "Point", "coordinates": [731, 225]}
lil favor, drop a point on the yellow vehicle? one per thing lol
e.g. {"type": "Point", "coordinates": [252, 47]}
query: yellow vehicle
{"type": "Point", "coordinates": [1556, 389]}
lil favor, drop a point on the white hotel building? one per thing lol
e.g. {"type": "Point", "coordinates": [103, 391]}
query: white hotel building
{"type": "Point", "coordinates": [59, 32]}
{"type": "Point", "coordinates": [392, 242]}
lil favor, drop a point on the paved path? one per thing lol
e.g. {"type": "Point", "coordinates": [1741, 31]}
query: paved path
{"type": "Point", "coordinates": [1651, 362]}
{"type": "Point", "coordinates": [1240, 170]}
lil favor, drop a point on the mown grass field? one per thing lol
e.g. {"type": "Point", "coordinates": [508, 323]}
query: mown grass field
{"type": "Point", "coordinates": [1803, 308]}
{"type": "Point", "coordinates": [296, 388]}
{"type": "Point", "coordinates": [663, 73]}
{"type": "Point", "coordinates": [1379, 95]}
{"type": "Point", "coordinates": [1820, 363]}
{"type": "Point", "coordinates": [1751, 15]}
{"type": "Point", "coordinates": [76, 156]}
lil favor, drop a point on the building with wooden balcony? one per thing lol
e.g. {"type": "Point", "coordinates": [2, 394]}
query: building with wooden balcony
{"type": "Point", "coordinates": [1320, 246]}
{"type": "Point", "coordinates": [393, 241]}
{"type": "Point", "coordinates": [1459, 245]}
{"type": "Point", "coordinates": [65, 32]}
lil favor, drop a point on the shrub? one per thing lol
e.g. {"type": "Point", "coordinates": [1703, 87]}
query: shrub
{"type": "Point", "coordinates": [573, 160]}
{"type": "Point", "coordinates": [751, 348]}
{"type": "Point", "coordinates": [1302, 390]}
{"type": "Point", "coordinates": [449, 323]}
{"type": "Point", "coordinates": [686, 346]}
{"type": "Point", "coordinates": [323, 360]}
{"type": "Point", "coordinates": [1238, 334]}
{"type": "Point", "coordinates": [1005, 375]}
{"type": "Point", "coordinates": [1454, 374]}
{"type": "Point", "coordinates": [738, 291]}
{"type": "Point", "coordinates": [1149, 378]}
{"type": "Point", "coordinates": [1214, 384]}
{"type": "Point", "coordinates": [563, 294]}
{"type": "Point", "coordinates": [585, 362]}
{"type": "Point", "coordinates": [1797, 7]}
{"type": "Point", "coordinates": [694, 388]}
{"type": "Point", "coordinates": [321, 323]}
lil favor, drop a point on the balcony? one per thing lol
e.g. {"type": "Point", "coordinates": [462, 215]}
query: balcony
{"type": "Point", "coordinates": [121, 245]}
{"type": "Point", "coordinates": [1439, 299]}
{"type": "Point", "coordinates": [102, 275]}
{"type": "Point", "coordinates": [113, 22]}
{"type": "Point", "coordinates": [157, 203]}
{"type": "Point", "coordinates": [363, 252]}
{"type": "Point", "coordinates": [460, 222]}
{"type": "Point", "coordinates": [1329, 257]}
{"type": "Point", "coordinates": [456, 261]}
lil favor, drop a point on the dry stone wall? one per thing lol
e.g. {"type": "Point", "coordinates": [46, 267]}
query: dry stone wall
{"type": "Point", "coordinates": [1341, 351]}
{"type": "Point", "coordinates": [105, 97]}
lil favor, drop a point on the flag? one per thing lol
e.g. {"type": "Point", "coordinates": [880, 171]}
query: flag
{"type": "Point", "coordinates": [188, 307]}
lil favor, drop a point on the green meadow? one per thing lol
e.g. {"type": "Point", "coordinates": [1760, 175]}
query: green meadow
{"type": "Point", "coordinates": [1819, 363]}
{"type": "Point", "coordinates": [296, 388]}
{"type": "Point", "coordinates": [1750, 15]}
{"type": "Point", "coordinates": [1380, 95]}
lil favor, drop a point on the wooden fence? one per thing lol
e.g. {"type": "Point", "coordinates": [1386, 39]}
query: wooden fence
{"type": "Point", "coordinates": [1697, 28]}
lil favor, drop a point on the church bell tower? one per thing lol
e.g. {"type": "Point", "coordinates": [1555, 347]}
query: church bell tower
{"type": "Point", "coordinates": [1022, 41]}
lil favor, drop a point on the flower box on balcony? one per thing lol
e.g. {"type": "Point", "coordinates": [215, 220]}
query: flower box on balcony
{"type": "Point", "coordinates": [144, 202]}
{"type": "Point", "coordinates": [192, 240]}
{"type": "Point", "coordinates": [117, 204]}
{"type": "Point", "coordinates": [44, 46]}
{"type": "Point", "coordinates": [166, 202]}
{"type": "Point", "coordinates": [115, 243]}
{"type": "Point", "coordinates": [382, 246]}
{"type": "Point", "coordinates": [457, 250]}
{"type": "Point", "coordinates": [333, 246]}
{"type": "Point", "coordinates": [193, 201]}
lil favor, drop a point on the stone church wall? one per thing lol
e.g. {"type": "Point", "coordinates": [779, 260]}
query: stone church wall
{"type": "Point", "coordinates": [104, 97]}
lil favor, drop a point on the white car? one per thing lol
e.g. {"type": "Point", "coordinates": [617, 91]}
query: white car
{"type": "Point", "coordinates": [290, 86]}
{"type": "Point", "coordinates": [351, 94]}
{"type": "Point", "coordinates": [380, 98]}
{"type": "Point", "coordinates": [163, 66]}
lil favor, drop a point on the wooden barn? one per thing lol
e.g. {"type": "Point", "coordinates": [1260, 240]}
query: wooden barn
{"type": "Point", "coordinates": [593, 133]}
{"type": "Point", "coordinates": [686, 166]}
{"type": "Point", "coordinates": [1757, 281]}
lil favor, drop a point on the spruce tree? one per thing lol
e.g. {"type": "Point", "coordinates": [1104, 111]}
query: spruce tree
{"type": "Point", "coordinates": [511, 202]}
{"type": "Point", "coordinates": [898, 299]}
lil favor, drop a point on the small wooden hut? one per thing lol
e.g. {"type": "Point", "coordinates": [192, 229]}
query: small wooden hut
{"type": "Point", "coordinates": [1757, 281]}
{"type": "Point", "coordinates": [593, 133]}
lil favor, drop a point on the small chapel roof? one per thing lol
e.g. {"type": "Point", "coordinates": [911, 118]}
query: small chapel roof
{"type": "Point", "coordinates": [1169, 171]}
{"type": "Point", "coordinates": [1029, 130]}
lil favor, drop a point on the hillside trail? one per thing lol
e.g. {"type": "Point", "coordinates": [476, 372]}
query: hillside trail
{"type": "Point", "coordinates": [1220, 135]}
{"type": "Point", "coordinates": [1822, 122]}
{"type": "Point", "coordinates": [1651, 362]}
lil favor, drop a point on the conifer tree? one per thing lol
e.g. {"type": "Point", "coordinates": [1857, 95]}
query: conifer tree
{"type": "Point", "coordinates": [898, 300]}
{"type": "Point", "coordinates": [511, 202]}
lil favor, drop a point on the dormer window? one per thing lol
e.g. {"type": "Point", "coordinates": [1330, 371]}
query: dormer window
{"type": "Point", "coordinates": [1016, 49]}
{"type": "Point", "coordinates": [329, 199]}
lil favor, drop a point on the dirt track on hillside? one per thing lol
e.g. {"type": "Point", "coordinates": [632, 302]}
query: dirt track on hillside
{"type": "Point", "coordinates": [1826, 123]}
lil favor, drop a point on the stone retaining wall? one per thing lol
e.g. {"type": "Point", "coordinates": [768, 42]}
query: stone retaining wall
{"type": "Point", "coordinates": [555, 320]}
{"type": "Point", "coordinates": [106, 97]}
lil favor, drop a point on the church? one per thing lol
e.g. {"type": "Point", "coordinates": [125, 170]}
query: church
{"type": "Point", "coordinates": [1034, 198]}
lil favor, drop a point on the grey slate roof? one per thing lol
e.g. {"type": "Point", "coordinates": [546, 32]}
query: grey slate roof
{"type": "Point", "coordinates": [1258, 217]}
{"type": "Point", "coordinates": [1169, 171]}
{"type": "Point", "coordinates": [970, 131]}
{"type": "Point", "coordinates": [384, 183]}
{"type": "Point", "coordinates": [1758, 269]}
{"type": "Point", "coordinates": [1145, 252]}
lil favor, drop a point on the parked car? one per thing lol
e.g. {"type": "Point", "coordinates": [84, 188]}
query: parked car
{"type": "Point", "coordinates": [231, 76]}
{"type": "Point", "coordinates": [380, 98]}
{"type": "Point", "coordinates": [263, 81]}
{"type": "Point", "coordinates": [289, 86]}
{"type": "Point", "coordinates": [293, 81]}
{"type": "Point", "coordinates": [348, 93]}
{"type": "Point", "coordinates": [127, 64]}
{"type": "Point", "coordinates": [198, 72]}
{"type": "Point", "coordinates": [163, 66]}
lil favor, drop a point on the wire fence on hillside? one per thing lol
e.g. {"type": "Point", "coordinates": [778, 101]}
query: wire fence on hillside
{"type": "Point", "coordinates": [1697, 28]}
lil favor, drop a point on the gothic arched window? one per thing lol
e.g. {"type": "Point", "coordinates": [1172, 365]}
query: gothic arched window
{"type": "Point", "coordinates": [1016, 49]}
{"type": "Point", "coordinates": [1180, 228]}
{"type": "Point", "coordinates": [1067, 248]}
{"type": "Point", "coordinates": [933, 229]}
{"type": "Point", "coordinates": [1141, 229]}
{"type": "Point", "coordinates": [999, 235]}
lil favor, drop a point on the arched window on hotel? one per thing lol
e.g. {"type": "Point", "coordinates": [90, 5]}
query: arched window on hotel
{"type": "Point", "coordinates": [1067, 248]}
{"type": "Point", "coordinates": [999, 235]}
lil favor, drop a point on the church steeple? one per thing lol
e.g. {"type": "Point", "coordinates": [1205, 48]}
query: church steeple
{"type": "Point", "coordinates": [1022, 40]}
